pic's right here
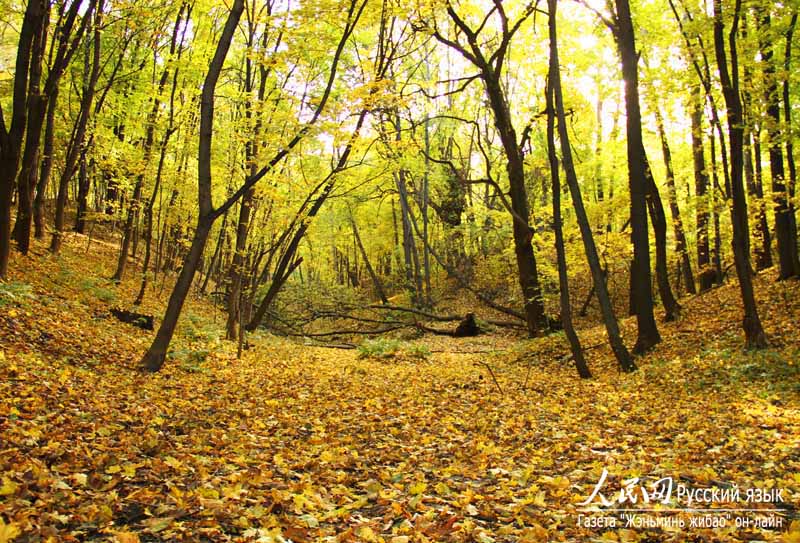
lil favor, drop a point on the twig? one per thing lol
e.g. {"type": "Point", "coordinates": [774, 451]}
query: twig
{"type": "Point", "coordinates": [488, 367]}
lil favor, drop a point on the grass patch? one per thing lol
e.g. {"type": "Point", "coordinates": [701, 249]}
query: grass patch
{"type": "Point", "coordinates": [98, 288]}
{"type": "Point", "coordinates": [392, 348]}
{"type": "Point", "coordinates": [16, 293]}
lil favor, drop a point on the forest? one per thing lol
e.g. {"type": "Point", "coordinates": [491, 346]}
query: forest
{"type": "Point", "coordinates": [399, 271]}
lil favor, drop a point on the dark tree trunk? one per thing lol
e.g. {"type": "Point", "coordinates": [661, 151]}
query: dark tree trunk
{"type": "Point", "coordinates": [701, 184]}
{"type": "Point", "coordinates": [755, 190]}
{"type": "Point", "coordinates": [154, 358]}
{"type": "Point", "coordinates": [76, 145]}
{"type": "Point", "coordinates": [785, 228]}
{"type": "Point", "coordinates": [45, 168]}
{"type": "Point", "coordinates": [659, 219]}
{"type": "Point", "coordinates": [523, 234]}
{"type": "Point", "coordinates": [729, 78]}
{"type": "Point", "coordinates": [217, 256]}
{"type": "Point", "coordinates": [37, 106]}
{"type": "Point", "coordinates": [787, 113]}
{"type": "Point", "coordinates": [84, 184]}
{"type": "Point", "coordinates": [716, 191]}
{"type": "Point", "coordinates": [609, 319]}
{"type": "Point", "coordinates": [563, 280]}
{"type": "Point", "coordinates": [237, 267]}
{"type": "Point", "coordinates": [648, 334]}
{"type": "Point", "coordinates": [376, 282]}
{"type": "Point", "coordinates": [11, 138]}
{"type": "Point", "coordinates": [681, 247]}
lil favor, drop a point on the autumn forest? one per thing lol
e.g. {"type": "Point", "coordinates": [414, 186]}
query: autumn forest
{"type": "Point", "coordinates": [399, 271]}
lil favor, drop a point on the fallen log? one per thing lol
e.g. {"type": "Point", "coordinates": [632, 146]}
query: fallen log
{"type": "Point", "coordinates": [466, 328]}
{"type": "Point", "coordinates": [140, 320]}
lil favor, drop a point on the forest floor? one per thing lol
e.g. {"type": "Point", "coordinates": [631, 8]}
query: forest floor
{"type": "Point", "coordinates": [486, 439]}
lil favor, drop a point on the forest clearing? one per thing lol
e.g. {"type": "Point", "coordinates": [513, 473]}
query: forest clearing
{"type": "Point", "coordinates": [302, 443]}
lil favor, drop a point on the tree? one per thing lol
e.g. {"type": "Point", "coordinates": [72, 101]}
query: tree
{"type": "Point", "coordinates": [638, 171]}
{"type": "Point", "coordinates": [75, 147]}
{"type": "Point", "coordinates": [11, 136]}
{"type": "Point", "coordinates": [555, 108]}
{"type": "Point", "coordinates": [490, 67]}
{"type": "Point", "coordinates": [729, 79]}
{"type": "Point", "coordinates": [785, 227]}
{"type": "Point", "coordinates": [153, 359]}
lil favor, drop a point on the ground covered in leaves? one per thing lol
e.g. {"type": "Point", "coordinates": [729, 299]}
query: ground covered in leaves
{"type": "Point", "coordinates": [485, 439]}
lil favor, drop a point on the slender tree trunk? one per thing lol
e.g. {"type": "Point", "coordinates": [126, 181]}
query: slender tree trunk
{"type": "Point", "coordinates": [677, 223]}
{"type": "Point", "coordinates": [413, 275]}
{"type": "Point", "coordinates": [755, 190]}
{"type": "Point", "coordinates": [148, 217]}
{"type": "Point", "coordinates": [154, 358]}
{"type": "Point", "coordinates": [716, 255]}
{"type": "Point", "coordinates": [785, 228]}
{"type": "Point", "coordinates": [237, 267]}
{"type": "Point", "coordinates": [77, 142]}
{"type": "Point", "coordinates": [376, 282]}
{"type": "Point", "coordinates": [563, 279]}
{"type": "Point", "coordinates": [787, 116]}
{"type": "Point", "coordinates": [46, 167]}
{"type": "Point", "coordinates": [701, 183]}
{"type": "Point", "coordinates": [217, 253]}
{"type": "Point", "coordinates": [84, 184]}
{"type": "Point", "coordinates": [424, 210]}
{"type": "Point", "coordinates": [659, 219]}
{"type": "Point", "coordinates": [648, 334]}
{"type": "Point", "coordinates": [37, 105]}
{"type": "Point", "coordinates": [612, 328]}
{"type": "Point", "coordinates": [754, 333]}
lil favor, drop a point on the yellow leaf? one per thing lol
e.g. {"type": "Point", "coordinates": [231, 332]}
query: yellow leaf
{"type": "Point", "coordinates": [326, 456]}
{"type": "Point", "coordinates": [126, 537]}
{"type": "Point", "coordinates": [417, 488]}
{"type": "Point", "coordinates": [793, 535]}
{"type": "Point", "coordinates": [8, 488]}
{"type": "Point", "coordinates": [366, 533]}
{"type": "Point", "coordinates": [534, 534]}
{"type": "Point", "coordinates": [8, 531]}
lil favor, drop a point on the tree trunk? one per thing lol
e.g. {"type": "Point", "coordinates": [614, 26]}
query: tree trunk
{"type": "Point", "coordinates": [376, 282]}
{"type": "Point", "coordinates": [37, 106]}
{"type": "Point", "coordinates": [785, 228]}
{"type": "Point", "coordinates": [45, 168]}
{"type": "Point", "coordinates": [659, 219]}
{"type": "Point", "coordinates": [754, 333]}
{"type": "Point", "coordinates": [237, 267]}
{"type": "Point", "coordinates": [755, 190]}
{"type": "Point", "coordinates": [154, 358]}
{"type": "Point", "coordinates": [677, 223]}
{"type": "Point", "coordinates": [787, 114]}
{"type": "Point", "coordinates": [563, 280]}
{"type": "Point", "coordinates": [701, 182]}
{"type": "Point", "coordinates": [648, 334]}
{"type": "Point", "coordinates": [76, 144]}
{"type": "Point", "coordinates": [612, 328]}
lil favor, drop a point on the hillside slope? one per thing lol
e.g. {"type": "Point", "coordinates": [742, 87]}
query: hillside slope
{"type": "Point", "coordinates": [486, 439]}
